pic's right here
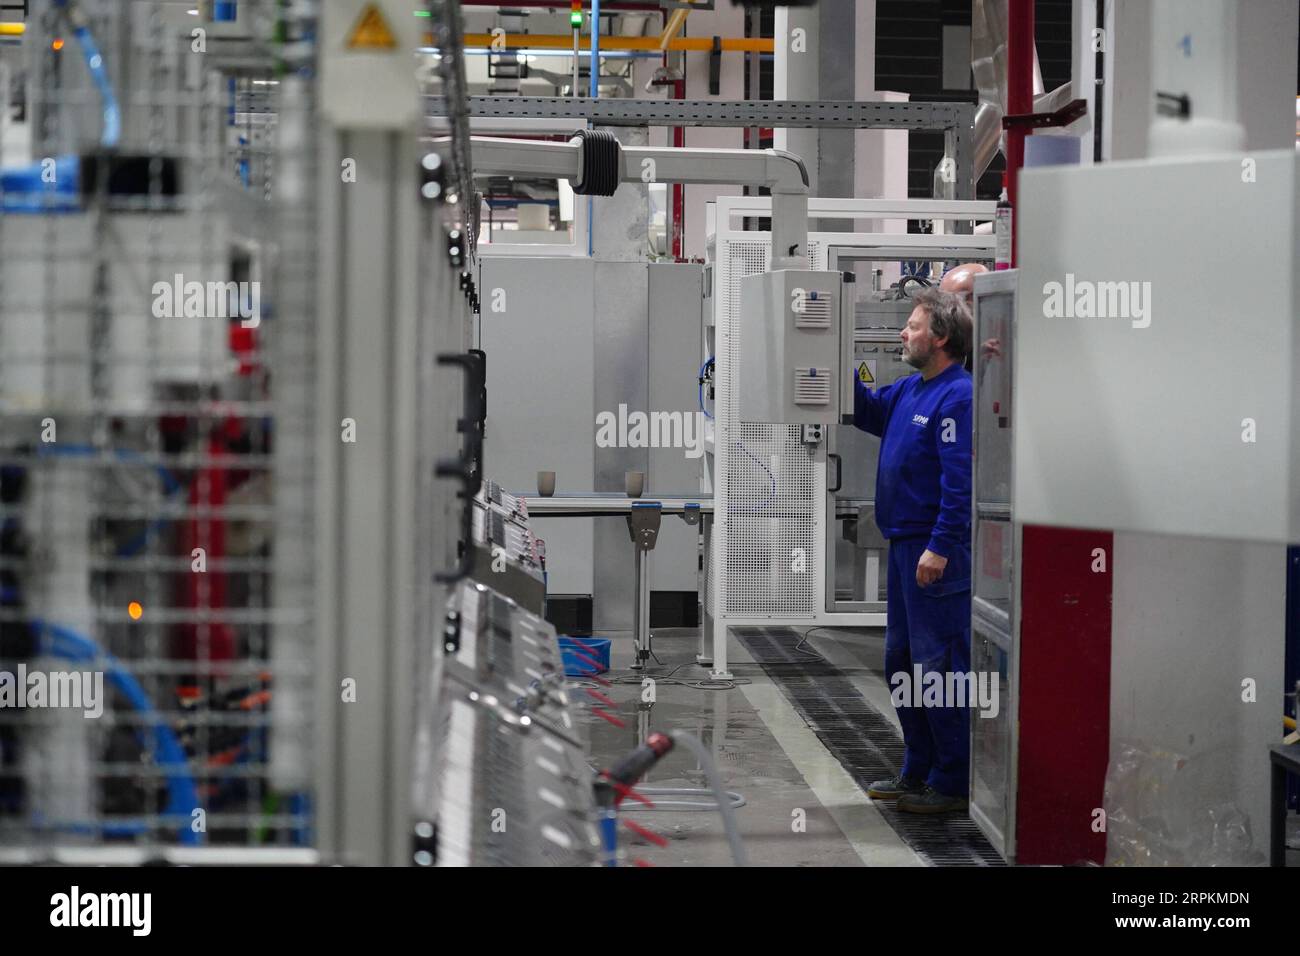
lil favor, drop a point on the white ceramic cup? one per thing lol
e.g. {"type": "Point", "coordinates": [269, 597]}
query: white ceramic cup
{"type": "Point", "coordinates": [634, 483]}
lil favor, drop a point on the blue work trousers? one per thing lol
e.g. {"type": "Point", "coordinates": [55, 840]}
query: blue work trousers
{"type": "Point", "coordinates": [931, 627]}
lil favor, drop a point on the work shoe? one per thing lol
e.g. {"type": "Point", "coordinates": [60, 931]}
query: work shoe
{"type": "Point", "coordinates": [894, 787]}
{"type": "Point", "coordinates": [930, 800]}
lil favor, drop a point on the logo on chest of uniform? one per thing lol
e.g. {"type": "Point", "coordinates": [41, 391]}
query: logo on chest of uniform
{"type": "Point", "coordinates": [920, 420]}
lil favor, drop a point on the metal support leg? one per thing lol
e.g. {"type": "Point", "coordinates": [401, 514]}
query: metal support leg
{"type": "Point", "coordinates": [719, 670]}
{"type": "Point", "coordinates": [639, 654]}
{"type": "Point", "coordinates": [643, 526]}
{"type": "Point", "coordinates": [643, 602]}
{"type": "Point", "coordinates": [705, 656]}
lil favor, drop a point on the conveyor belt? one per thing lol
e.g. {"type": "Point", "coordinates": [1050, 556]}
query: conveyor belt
{"type": "Point", "coordinates": [864, 742]}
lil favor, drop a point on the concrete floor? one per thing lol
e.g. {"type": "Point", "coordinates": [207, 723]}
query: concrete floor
{"type": "Point", "coordinates": [801, 806]}
{"type": "Point", "coordinates": [801, 809]}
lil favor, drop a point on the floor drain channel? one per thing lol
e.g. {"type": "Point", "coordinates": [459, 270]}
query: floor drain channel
{"type": "Point", "coordinates": [863, 741]}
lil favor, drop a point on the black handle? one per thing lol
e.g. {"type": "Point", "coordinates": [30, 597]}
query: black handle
{"type": "Point", "coordinates": [467, 467]}
{"type": "Point", "coordinates": [481, 373]}
{"type": "Point", "coordinates": [839, 474]}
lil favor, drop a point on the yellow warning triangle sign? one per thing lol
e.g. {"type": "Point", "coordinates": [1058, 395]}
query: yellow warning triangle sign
{"type": "Point", "coordinates": [864, 373]}
{"type": "Point", "coordinates": [371, 31]}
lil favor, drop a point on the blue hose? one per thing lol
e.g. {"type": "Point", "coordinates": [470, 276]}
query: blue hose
{"type": "Point", "coordinates": [703, 368]}
{"type": "Point", "coordinates": [183, 795]}
{"type": "Point", "coordinates": [112, 114]}
{"type": "Point", "coordinates": [771, 494]}
{"type": "Point", "coordinates": [112, 134]}
{"type": "Point", "coordinates": [170, 482]}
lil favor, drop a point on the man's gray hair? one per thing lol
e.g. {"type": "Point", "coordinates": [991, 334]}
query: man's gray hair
{"type": "Point", "coordinates": [950, 318]}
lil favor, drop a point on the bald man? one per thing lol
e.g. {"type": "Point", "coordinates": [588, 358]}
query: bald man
{"type": "Point", "coordinates": [960, 280]}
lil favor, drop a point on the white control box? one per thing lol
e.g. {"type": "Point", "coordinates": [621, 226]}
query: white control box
{"type": "Point", "coordinates": [1158, 377]}
{"type": "Point", "coordinates": [792, 348]}
{"type": "Point", "coordinates": [367, 64]}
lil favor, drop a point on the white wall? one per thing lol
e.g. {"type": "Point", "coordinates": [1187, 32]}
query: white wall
{"type": "Point", "coordinates": [1266, 71]}
{"type": "Point", "coordinates": [1192, 618]}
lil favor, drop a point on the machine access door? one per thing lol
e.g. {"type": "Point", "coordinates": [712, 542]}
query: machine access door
{"type": "Point", "coordinates": [856, 566]}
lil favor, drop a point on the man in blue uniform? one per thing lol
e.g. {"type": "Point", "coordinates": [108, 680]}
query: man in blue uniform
{"type": "Point", "coordinates": [923, 488]}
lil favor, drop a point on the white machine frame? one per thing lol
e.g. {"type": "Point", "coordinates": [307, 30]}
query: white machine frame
{"type": "Point", "coordinates": [727, 239]}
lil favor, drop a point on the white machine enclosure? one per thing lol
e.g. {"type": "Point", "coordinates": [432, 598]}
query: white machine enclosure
{"type": "Point", "coordinates": [996, 574]}
{"type": "Point", "coordinates": [760, 522]}
{"type": "Point", "coordinates": [369, 86]}
{"type": "Point", "coordinates": [793, 353]}
{"type": "Point", "coordinates": [1130, 322]}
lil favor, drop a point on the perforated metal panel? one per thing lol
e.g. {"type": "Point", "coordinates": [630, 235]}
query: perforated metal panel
{"type": "Point", "coordinates": [767, 499]}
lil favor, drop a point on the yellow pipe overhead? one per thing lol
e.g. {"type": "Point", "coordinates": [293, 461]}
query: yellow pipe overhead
{"type": "Point", "coordinates": [546, 41]}
{"type": "Point", "coordinates": [12, 29]}
{"type": "Point", "coordinates": [676, 21]}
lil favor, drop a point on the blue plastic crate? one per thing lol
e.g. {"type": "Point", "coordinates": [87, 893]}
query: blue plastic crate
{"type": "Point", "coordinates": [596, 648]}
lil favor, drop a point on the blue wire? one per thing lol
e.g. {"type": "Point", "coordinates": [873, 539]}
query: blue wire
{"type": "Point", "coordinates": [183, 796]}
{"type": "Point", "coordinates": [173, 486]}
{"type": "Point", "coordinates": [141, 541]}
{"type": "Point", "coordinates": [170, 481]}
{"type": "Point", "coordinates": [771, 494]}
{"type": "Point", "coordinates": [95, 63]}
{"type": "Point", "coordinates": [706, 364]}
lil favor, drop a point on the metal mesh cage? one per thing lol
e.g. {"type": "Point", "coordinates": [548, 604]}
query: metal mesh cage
{"type": "Point", "coordinates": [156, 370]}
{"type": "Point", "coordinates": [767, 478]}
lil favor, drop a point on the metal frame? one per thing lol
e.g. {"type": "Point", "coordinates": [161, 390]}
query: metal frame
{"type": "Point", "coordinates": [591, 506]}
{"type": "Point", "coordinates": [1003, 629]}
{"type": "Point", "coordinates": [389, 303]}
{"type": "Point", "coordinates": [967, 248]}
{"type": "Point", "coordinates": [781, 172]}
{"type": "Point", "coordinates": [366, 504]}
{"type": "Point", "coordinates": [955, 120]}
{"type": "Point", "coordinates": [878, 245]}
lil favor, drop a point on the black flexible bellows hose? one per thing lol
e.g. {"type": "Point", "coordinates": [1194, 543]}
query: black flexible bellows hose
{"type": "Point", "coordinates": [600, 163]}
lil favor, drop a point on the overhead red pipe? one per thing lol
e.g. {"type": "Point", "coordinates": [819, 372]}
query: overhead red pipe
{"type": "Point", "coordinates": [1020, 100]}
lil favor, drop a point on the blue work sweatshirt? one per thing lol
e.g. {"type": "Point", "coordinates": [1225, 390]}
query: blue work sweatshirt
{"type": "Point", "coordinates": [923, 479]}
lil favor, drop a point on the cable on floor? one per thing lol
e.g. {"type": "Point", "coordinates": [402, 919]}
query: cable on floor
{"type": "Point", "coordinates": [707, 683]}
